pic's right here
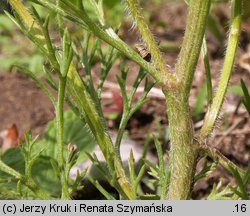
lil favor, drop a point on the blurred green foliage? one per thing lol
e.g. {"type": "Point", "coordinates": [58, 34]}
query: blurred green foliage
{"type": "Point", "coordinates": [75, 132]}
{"type": "Point", "coordinates": [43, 171]}
{"type": "Point", "coordinates": [14, 48]}
{"type": "Point", "coordinates": [114, 11]}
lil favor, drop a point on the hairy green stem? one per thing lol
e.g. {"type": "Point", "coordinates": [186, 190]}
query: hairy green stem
{"type": "Point", "coordinates": [35, 189]}
{"type": "Point", "coordinates": [221, 159]}
{"type": "Point", "coordinates": [183, 150]}
{"type": "Point", "coordinates": [51, 51]}
{"type": "Point", "coordinates": [59, 122]}
{"type": "Point", "coordinates": [122, 127]}
{"type": "Point", "coordinates": [59, 19]}
{"type": "Point", "coordinates": [60, 144]}
{"type": "Point", "coordinates": [191, 46]}
{"type": "Point", "coordinates": [83, 101]}
{"type": "Point", "coordinates": [24, 14]}
{"type": "Point", "coordinates": [108, 35]}
{"type": "Point", "coordinates": [5, 168]}
{"type": "Point", "coordinates": [147, 36]}
{"type": "Point", "coordinates": [28, 22]}
{"type": "Point", "coordinates": [233, 39]}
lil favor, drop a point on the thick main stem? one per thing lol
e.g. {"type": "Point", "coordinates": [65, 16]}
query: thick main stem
{"type": "Point", "coordinates": [183, 149]}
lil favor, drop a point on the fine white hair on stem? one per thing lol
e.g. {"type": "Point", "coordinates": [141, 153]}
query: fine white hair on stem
{"type": "Point", "coordinates": [133, 26]}
{"type": "Point", "coordinates": [219, 119]}
{"type": "Point", "coordinates": [128, 14]}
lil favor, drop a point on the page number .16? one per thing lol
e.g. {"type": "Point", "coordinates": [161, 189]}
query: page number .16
{"type": "Point", "coordinates": [240, 208]}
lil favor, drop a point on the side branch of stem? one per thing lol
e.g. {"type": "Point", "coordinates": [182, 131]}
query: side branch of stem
{"type": "Point", "coordinates": [147, 35]}
{"type": "Point", "coordinates": [218, 100]}
{"type": "Point", "coordinates": [191, 46]}
{"type": "Point", "coordinates": [221, 159]}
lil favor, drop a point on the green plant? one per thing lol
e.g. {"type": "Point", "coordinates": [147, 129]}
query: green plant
{"type": "Point", "coordinates": [246, 99]}
{"type": "Point", "coordinates": [175, 179]}
{"type": "Point", "coordinates": [10, 52]}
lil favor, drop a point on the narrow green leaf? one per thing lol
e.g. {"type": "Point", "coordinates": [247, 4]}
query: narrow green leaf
{"type": "Point", "coordinates": [101, 189]}
{"type": "Point", "coordinates": [162, 173]}
{"type": "Point", "coordinates": [145, 151]}
{"type": "Point", "coordinates": [246, 100]}
{"type": "Point", "coordinates": [208, 72]}
{"type": "Point", "coordinates": [150, 197]}
{"type": "Point", "coordinates": [30, 75]}
{"type": "Point", "coordinates": [214, 28]}
{"type": "Point", "coordinates": [131, 166]}
{"type": "Point", "coordinates": [246, 179]}
{"type": "Point", "coordinates": [139, 176]}
{"type": "Point", "coordinates": [240, 184]}
{"type": "Point", "coordinates": [198, 107]}
{"type": "Point", "coordinates": [160, 157]}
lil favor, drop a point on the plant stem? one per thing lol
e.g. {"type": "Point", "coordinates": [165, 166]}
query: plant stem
{"type": "Point", "coordinates": [28, 182]}
{"type": "Point", "coordinates": [222, 160]}
{"type": "Point", "coordinates": [234, 35]}
{"type": "Point", "coordinates": [35, 189]}
{"type": "Point", "coordinates": [183, 150]}
{"type": "Point", "coordinates": [123, 123]}
{"type": "Point", "coordinates": [27, 21]}
{"type": "Point", "coordinates": [5, 168]}
{"type": "Point", "coordinates": [191, 46]}
{"type": "Point", "coordinates": [60, 145]}
{"type": "Point", "coordinates": [59, 19]}
{"type": "Point", "coordinates": [109, 36]}
{"type": "Point", "coordinates": [21, 10]}
{"type": "Point", "coordinates": [60, 122]}
{"type": "Point", "coordinates": [147, 36]}
{"type": "Point", "coordinates": [88, 111]}
{"type": "Point", "coordinates": [51, 51]}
